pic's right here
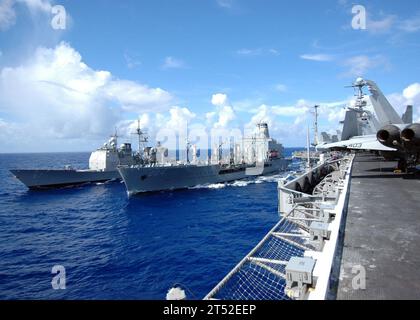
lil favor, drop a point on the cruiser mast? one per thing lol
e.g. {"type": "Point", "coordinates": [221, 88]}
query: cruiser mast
{"type": "Point", "coordinates": [316, 142]}
{"type": "Point", "coordinates": [142, 137]}
{"type": "Point", "coordinates": [308, 152]}
{"type": "Point", "coordinates": [188, 145]}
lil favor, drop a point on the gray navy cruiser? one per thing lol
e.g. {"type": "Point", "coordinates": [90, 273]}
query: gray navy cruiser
{"type": "Point", "coordinates": [255, 156]}
{"type": "Point", "coordinates": [103, 164]}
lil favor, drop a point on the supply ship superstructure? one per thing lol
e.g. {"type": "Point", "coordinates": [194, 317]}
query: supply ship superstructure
{"type": "Point", "coordinates": [254, 156]}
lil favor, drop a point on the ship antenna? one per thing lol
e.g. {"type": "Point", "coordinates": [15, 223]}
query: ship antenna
{"type": "Point", "coordinates": [315, 112]}
{"type": "Point", "coordinates": [358, 86]}
{"type": "Point", "coordinates": [359, 96]}
{"type": "Point", "coordinates": [308, 165]}
{"type": "Point", "coordinates": [219, 151]}
{"type": "Point", "coordinates": [142, 137]}
{"type": "Point", "coordinates": [116, 144]}
{"type": "Point", "coordinates": [232, 150]}
{"type": "Point", "coordinates": [116, 135]}
{"type": "Point", "coordinates": [188, 146]}
{"type": "Point", "coordinates": [139, 133]}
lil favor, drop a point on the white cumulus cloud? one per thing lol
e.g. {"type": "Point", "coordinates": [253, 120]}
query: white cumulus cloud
{"type": "Point", "coordinates": [410, 25]}
{"type": "Point", "coordinates": [381, 25]}
{"type": "Point", "coordinates": [41, 5]}
{"type": "Point", "coordinates": [161, 126]}
{"type": "Point", "coordinates": [7, 14]}
{"type": "Point", "coordinates": [8, 10]}
{"type": "Point", "coordinates": [412, 92]}
{"type": "Point", "coordinates": [409, 96]}
{"type": "Point", "coordinates": [224, 114]}
{"type": "Point", "coordinates": [359, 65]}
{"type": "Point", "coordinates": [219, 99]}
{"type": "Point", "coordinates": [180, 117]}
{"type": "Point", "coordinates": [59, 96]}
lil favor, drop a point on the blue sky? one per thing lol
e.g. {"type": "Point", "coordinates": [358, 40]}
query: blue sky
{"type": "Point", "coordinates": [266, 60]}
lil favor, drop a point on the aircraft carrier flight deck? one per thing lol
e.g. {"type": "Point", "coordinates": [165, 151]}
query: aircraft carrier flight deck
{"type": "Point", "coordinates": [382, 233]}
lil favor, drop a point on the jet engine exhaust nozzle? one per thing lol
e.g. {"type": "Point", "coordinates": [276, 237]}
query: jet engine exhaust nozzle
{"type": "Point", "coordinates": [389, 136]}
{"type": "Point", "coordinates": [411, 134]}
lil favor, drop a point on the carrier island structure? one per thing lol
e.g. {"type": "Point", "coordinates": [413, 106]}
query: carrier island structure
{"type": "Point", "coordinates": [349, 226]}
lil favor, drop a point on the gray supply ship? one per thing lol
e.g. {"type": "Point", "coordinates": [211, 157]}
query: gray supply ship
{"type": "Point", "coordinates": [102, 167]}
{"type": "Point", "coordinates": [257, 155]}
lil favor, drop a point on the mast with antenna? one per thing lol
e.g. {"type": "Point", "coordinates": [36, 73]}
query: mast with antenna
{"type": "Point", "coordinates": [308, 152]}
{"type": "Point", "coordinates": [232, 151]}
{"type": "Point", "coordinates": [188, 146]}
{"type": "Point", "coordinates": [220, 151]}
{"type": "Point", "coordinates": [316, 142]}
{"type": "Point", "coordinates": [143, 139]}
{"type": "Point", "coordinates": [358, 86]}
{"type": "Point", "coordinates": [115, 136]}
{"type": "Point", "coordinates": [316, 126]}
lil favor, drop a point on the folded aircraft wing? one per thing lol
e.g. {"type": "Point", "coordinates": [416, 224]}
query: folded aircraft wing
{"type": "Point", "coordinates": [367, 142]}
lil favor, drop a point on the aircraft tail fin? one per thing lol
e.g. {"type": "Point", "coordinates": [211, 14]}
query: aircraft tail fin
{"type": "Point", "coordinates": [383, 109]}
{"type": "Point", "coordinates": [350, 128]}
{"type": "Point", "coordinates": [325, 137]}
{"type": "Point", "coordinates": [339, 134]}
{"type": "Point", "coordinates": [407, 117]}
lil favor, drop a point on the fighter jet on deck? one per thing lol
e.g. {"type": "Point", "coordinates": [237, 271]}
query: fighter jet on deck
{"type": "Point", "coordinates": [361, 125]}
{"type": "Point", "coordinates": [394, 137]}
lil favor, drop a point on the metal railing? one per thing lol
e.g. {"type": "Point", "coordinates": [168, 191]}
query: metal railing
{"type": "Point", "coordinates": [303, 227]}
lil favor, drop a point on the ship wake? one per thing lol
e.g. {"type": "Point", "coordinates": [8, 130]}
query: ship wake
{"type": "Point", "coordinates": [242, 182]}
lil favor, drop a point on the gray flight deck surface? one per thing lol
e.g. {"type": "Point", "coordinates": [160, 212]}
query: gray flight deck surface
{"type": "Point", "coordinates": [382, 233]}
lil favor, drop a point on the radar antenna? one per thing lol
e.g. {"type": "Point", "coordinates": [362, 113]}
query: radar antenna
{"type": "Point", "coordinates": [220, 151]}
{"type": "Point", "coordinates": [188, 145]}
{"type": "Point", "coordinates": [143, 138]}
{"type": "Point", "coordinates": [308, 150]}
{"type": "Point", "coordinates": [315, 113]}
{"type": "Point", "coordinates": [114, 137]}
{"type": "Point", "coordinates": [358, 86]}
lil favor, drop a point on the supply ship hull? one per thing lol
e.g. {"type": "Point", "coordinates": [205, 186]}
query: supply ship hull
{"type": "Point", "coordinates": [140, 179]}
{"type": "Point", "coordinates": [56, 178]}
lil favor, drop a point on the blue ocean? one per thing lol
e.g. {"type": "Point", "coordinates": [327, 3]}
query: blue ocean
{"type": "Point", "coordinates": [113, 247]}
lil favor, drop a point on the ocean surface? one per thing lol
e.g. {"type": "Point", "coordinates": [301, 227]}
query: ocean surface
{"type": "Point", "coordinates": [113, 247]}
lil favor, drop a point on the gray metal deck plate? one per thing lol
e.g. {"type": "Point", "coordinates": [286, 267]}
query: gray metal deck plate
{"type": "Point", "coordinates": [382, 233]}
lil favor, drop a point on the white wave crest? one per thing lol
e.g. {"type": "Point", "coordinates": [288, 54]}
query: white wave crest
{"type": "Point", "coordinates": [241, 183]}
{"type": "Point", "coordinates": [209, 186]}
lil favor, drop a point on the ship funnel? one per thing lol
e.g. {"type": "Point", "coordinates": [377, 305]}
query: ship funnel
{"type": "Point", "coordinates": [263, 130]}
{"type": "Point", "coordinates": [389, 136]}
{"type": "Point", "coordinates": [411, 134]}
